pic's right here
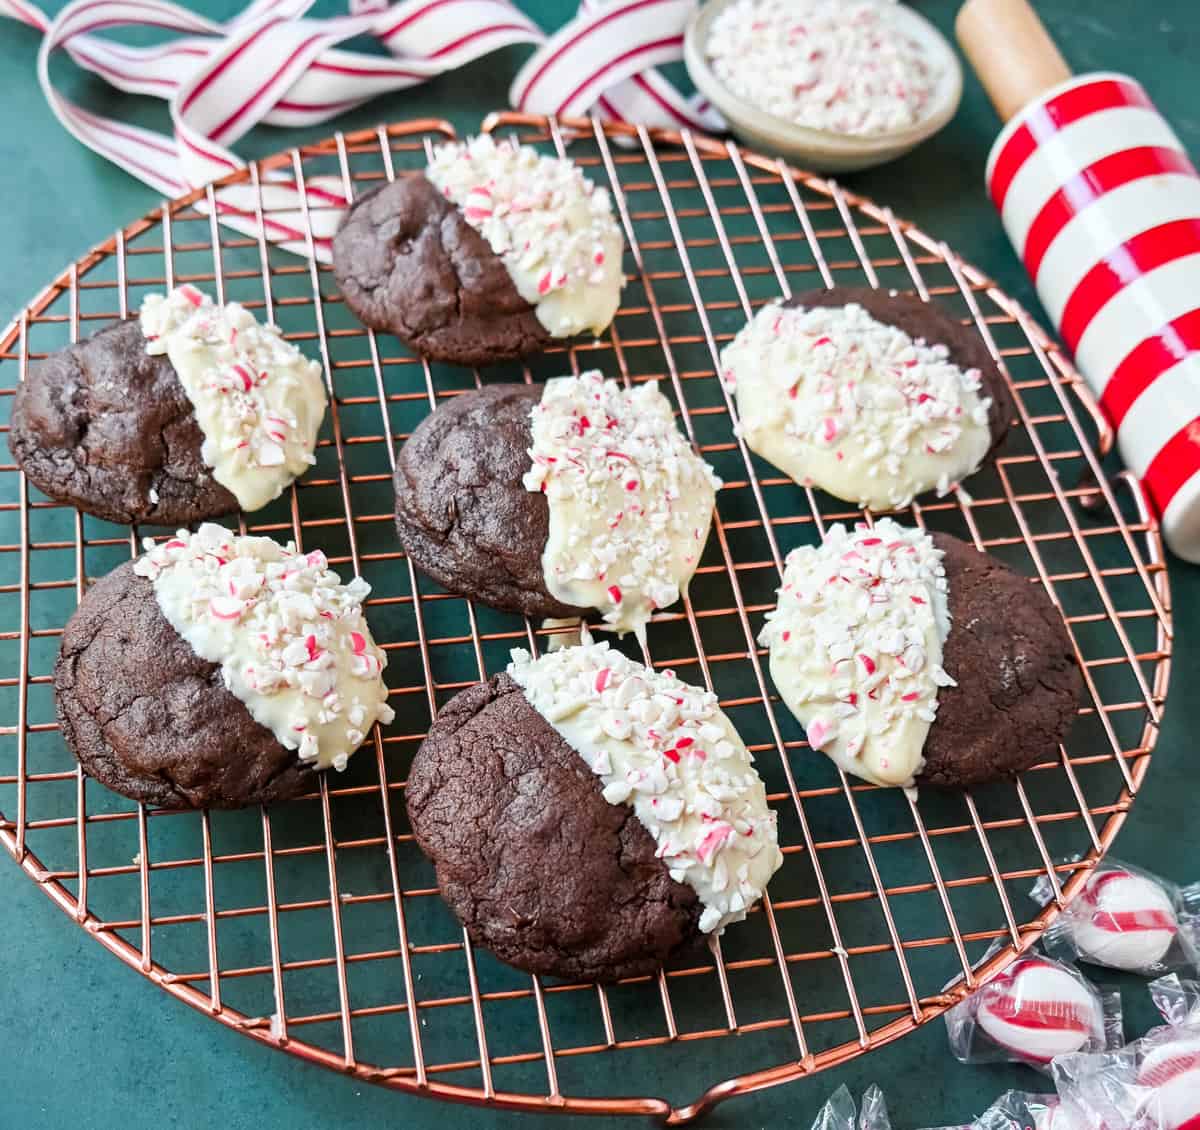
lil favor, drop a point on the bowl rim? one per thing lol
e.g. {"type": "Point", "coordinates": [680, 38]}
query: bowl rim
{"type": "Point", "coordinates": [943, 106]}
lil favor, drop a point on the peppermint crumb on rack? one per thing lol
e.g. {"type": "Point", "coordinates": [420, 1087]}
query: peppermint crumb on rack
{"type": "Point", "coordinates": [630, 501]}
{"type": "Point", "coordinates": [665, 748]}
{"type": "Point", "coordinates": [873, 414]}
{"type": "Point", "coordinates": [824, 64]}
{"type": "Point", "coordinates": [290, 637]}
{"type": "Point", "coordinates": [258, 399]}
{"type": "Point", "coordinates": [855, 645]}
{"type": "Point", "coordinates": [553, 228]}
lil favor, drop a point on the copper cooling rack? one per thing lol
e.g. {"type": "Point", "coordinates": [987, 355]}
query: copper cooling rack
{"type": "Point", "coordinates": [316, 927]}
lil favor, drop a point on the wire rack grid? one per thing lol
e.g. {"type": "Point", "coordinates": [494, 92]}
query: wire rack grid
{"type": "Point", "coordinates": [315, 926]}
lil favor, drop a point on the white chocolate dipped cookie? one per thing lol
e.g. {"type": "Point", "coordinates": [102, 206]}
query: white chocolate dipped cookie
{"type": "Point", "coordinates": [873, 396]}
{"type": "Point", "coordinates": [630, 501]}
{"type": "Point", "coordinates": [550, 500]}
{"type": "Point", "coordinates": [187, 412]}
{"type": "Point", "coordinates": [492, 253]}
{"type": "Point", "coordinates": [218, 671]}
{"type": "Point", "coordinates": [665, 748]}
{"type": "Point", "coordinates": [856, 647]}
{"type": "Point", "coordinates": [589, 817]}
{"type": "Point", "coordinates": [913, 657]}
{"type": "Point", "coordinates": [553, 228]}
{"type": "Point", "coordinates": [258, 400]}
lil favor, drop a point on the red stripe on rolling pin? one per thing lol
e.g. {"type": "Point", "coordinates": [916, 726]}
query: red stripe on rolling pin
{"type": "Point", "coordinates": [1045, 121]}
{"type": "Point", "coordinates": [1148, 360]}
{"type": "Point", "coordinates": [1088, 186]}
{"type": "Point", "coordinates": [1173, 465]}
{"type": "Point", "coordinates": [1123, 265]}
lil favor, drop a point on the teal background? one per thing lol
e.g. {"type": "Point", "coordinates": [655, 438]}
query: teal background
{"type": "Point", "coordinates": [86, 1042]}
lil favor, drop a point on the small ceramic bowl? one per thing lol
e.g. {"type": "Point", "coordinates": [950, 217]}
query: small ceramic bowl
{"type": "Point", "coordinates": [822, 150]}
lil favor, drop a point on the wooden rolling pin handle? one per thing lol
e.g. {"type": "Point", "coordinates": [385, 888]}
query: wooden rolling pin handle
{"type": "Point", "coordinates": [1011, 52]}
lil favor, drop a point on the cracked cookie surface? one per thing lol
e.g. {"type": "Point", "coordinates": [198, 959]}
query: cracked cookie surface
{"type": "Point", "coordinates": [932, 322]}
{"type": "Point", "coordinates": [407, 262]}
{"type": "Point", "coordinates": [150, 719]}
{"type": "Point", "coordinates": [1018, 680]}
{"type": "Point", "coordinates": [536, 864]}
{"type": "Point", "coordinates": [462, 512]}
{"type": "Point", "coordinates": [104, 426]}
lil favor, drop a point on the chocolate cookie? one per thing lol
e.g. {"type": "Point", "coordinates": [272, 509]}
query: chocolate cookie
{"type": "Point", "coordinates": [962, 672]}
{"type": "Point", "coordinates": [1018, 680]}
{"type": "Point", "coordinates": [462, 513]}
{"type": "Point", "coordinates": [407, 262]}
{"type": "Point", "coordinates": [106, 427]}
{"type": "Point", "coordinates": [930, 321]}
{"type": "Point", "coordinates": [536, 864]}
{"type": "Point", "coordinates": [150, 719]}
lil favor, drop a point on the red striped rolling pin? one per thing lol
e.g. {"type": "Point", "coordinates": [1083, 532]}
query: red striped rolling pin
{"type": "Point", "coordinates": [1102, 204]}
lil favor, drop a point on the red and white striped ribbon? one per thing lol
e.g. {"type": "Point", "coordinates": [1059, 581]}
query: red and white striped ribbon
{"type": "Point", "coordinates": [606, 59]}
{"type": "Point", "coordinates": [1103, 205]}
{"type": "Point", "coordinates": [271, 64]}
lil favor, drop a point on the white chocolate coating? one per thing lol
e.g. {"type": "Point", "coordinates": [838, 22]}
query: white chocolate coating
{"type": "Point", "coordinates": [664, 748]}
{"type": "Point", "coordinates": [1038, 1010]}
{"type": "Point", "coordinates": [856, 646]}
{"type": "Point", "coordinates": [841, 401]}
{"type": "Point", "coordinates": [837, 65]}
{"type": "Point", "coordinates": [258, 399]}
{"type": "Point", "coordinates": [1123, 920]}
{"type": "Point", "coordinates": [630, 501]}
{"type": "Point", "coordinates": [291, 640]}
{"type": "Point", "coordinates": [552, 227]}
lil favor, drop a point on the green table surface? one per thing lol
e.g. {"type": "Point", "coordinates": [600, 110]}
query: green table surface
{"type": "Point", "coordinates": [86, 1042]}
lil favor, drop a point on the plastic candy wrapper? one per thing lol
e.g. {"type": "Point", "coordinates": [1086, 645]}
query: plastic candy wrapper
{"type": "Point", "coordinates": [1016, 1110]}
{"type": "Point", "coordinates": [1117, 1093]}
{"type": "Point", "coordinates": [839, 1112]}
{"type": "Point", "coordinates": [1035, 1010]}
{"type": "Point", "coordinates": [1154, 1082]}
{"type": "Point", "coordinates": [1178, 1001]}
{"type": "Point", "coordinates": [1125, 918]}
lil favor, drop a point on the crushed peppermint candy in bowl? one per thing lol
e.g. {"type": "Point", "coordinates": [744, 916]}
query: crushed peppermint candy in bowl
{"type": "Point", "coordinates": [836, 85]}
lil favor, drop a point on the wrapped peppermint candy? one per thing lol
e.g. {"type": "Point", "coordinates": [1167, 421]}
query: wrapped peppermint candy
{"type": "Point", "coordinates": [1104, 1086]}
{"type": "Point", "coordinates": [1154, 1082]}
{"type": "Point", "coordinates": [1169, 1074]}
{"type": "Point", "coordinates": [839, 1113]}
{"type": "Point", "coordinates": [1035, 1010]}
{"type": "Point", "coordinates": [1125, 918]}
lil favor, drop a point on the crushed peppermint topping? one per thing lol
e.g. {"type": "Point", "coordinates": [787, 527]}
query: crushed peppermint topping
{"type": "Point", "coordinates": [845, 67]}
{"type": "Point", "coordinates": [664, 748]}
{"type": "Point", "coordinates": [856, 646]}
{"type": "Point", "coordinates": [630, 501]}
{"type": "Point", "coordinates": [258, 399]}
{"type": "Point", "coordinates": [552, 227]}
{"type": "Point", "coordinates": [291, 639]}
{"type": "Point", "coordinates": [842, 401]}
